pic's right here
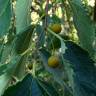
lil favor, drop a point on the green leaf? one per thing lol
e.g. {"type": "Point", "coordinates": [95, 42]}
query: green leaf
{"type": "Point", "coordinates": [7, 51]}
{"type": "Point", "coordinates": [27, 87]}
{"type": "Point", "coordinates": [30, 86]}
{"type": "Point", "coordinates": [1, 51]}
{"type": "Point", "coordinates": [9, 70]}
{"type": "Point", "coordinates": [4, 81]}
{"type": "Point", "coordinates": [53, 42]}
{"type": "Point", "coordinates": [41, 35]}
{"type": "Point", "coordinates": [21, 68]}
{"type": "Point", "coordinates": [23, 39]}
{"type": "Point", "coordinates": [47, 88]}
{"type": "Point", "coordinates": [9, 66]}
{"type": "Point", "coordinates": [55, 19]}
{"type": "Point", "coordinates": [23, 17]}
{"type": "Point", "coordinates": [84, 70]}
{"type": "Point", "coordinates": [3, 68]}
{"type": "Point", "coordinates": [5, 16]}
{"type": "Point", "coordinates": [84, 25]}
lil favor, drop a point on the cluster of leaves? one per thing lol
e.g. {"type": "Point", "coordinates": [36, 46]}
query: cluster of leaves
{"type": "Point", "coordinates": [30, 86]}
{"type": "Point", "coordinates": [20, 38]}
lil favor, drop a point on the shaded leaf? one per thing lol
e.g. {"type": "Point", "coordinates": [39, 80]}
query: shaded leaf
{"type": "Point", "coordinates": [27, 87]}
{"type": "Point", "coordinates": [3, 68]}
{"type": "Point", "coordinates": [9, 66]}
{"type": "Point", "coordinates": [21, 68]}
{"type": "Point", "coordinates": [23, 39]}
{"type": "Point", "coordinates": [47, 88]}
{"type": "Point", "coordinates": [9, 70]}
{"type": "Point", "coordinates": [30, 86]}
{"type": "Point", "coordinates": [41, 35]}
{"type": "Point", "coordinates": [83, 67]}
{"type": "Point", "coordinates": [53, 43]}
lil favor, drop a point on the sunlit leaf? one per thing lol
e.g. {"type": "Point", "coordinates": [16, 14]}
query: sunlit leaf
{"type": "Point", "coordinates": [5, 16]}
{"type": "Point", "coordinates": [23, 18]}
{"type": "Point", "coordinates": [84, 25]}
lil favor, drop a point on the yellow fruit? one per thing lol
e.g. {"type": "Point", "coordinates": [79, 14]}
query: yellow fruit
{"type": "Point", "coordinates": [56, 28]}
{"type": "Point", "coordinates": [53, 61]}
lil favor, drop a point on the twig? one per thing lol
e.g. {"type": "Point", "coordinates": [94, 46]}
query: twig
{"type": "Point", "coordinates": [94, 18]}
{"type": "Point", "coordinates": [46, 9]}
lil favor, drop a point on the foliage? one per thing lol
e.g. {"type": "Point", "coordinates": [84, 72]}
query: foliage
{"type": "Point", "coordinates": [28, 38]}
